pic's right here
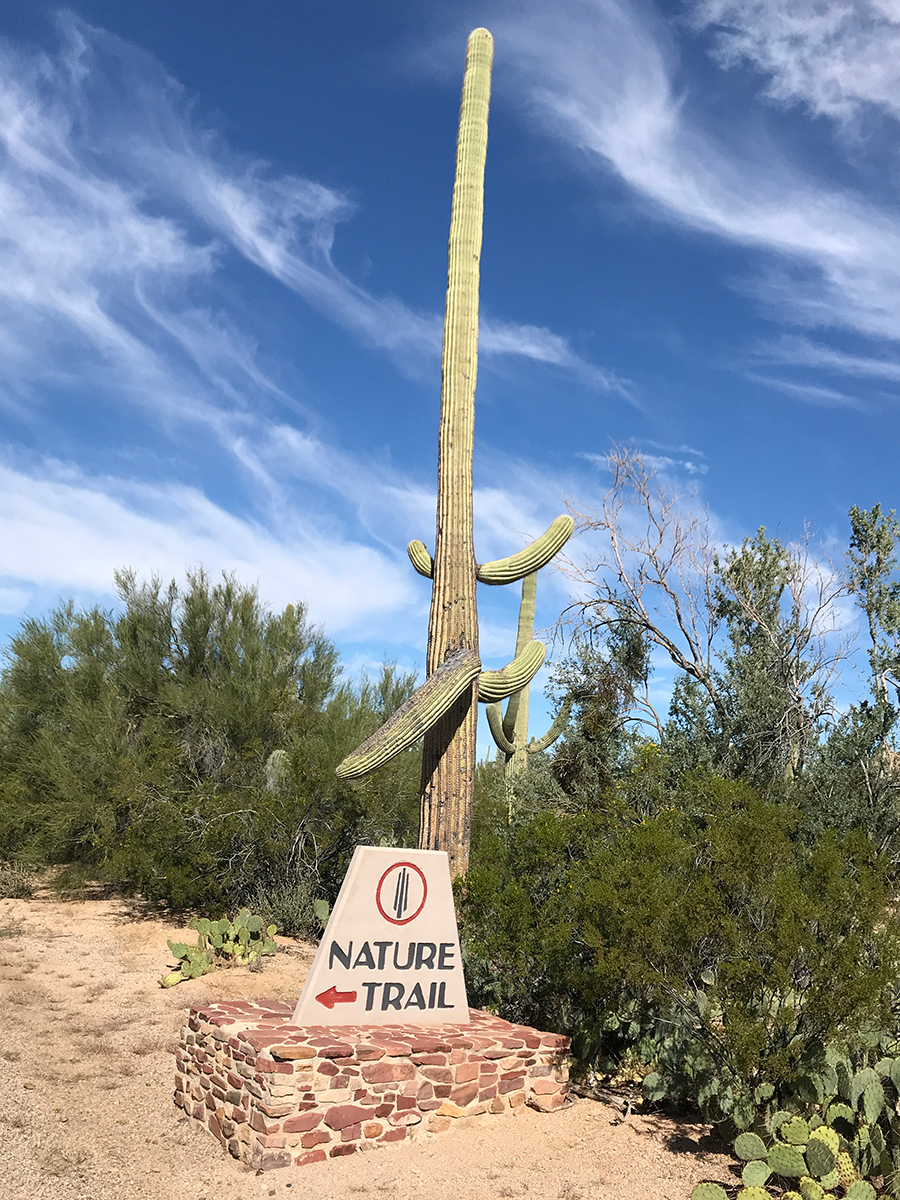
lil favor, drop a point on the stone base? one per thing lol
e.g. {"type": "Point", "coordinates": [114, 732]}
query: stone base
{"type": "Point", "coordinates": [277, 1095]}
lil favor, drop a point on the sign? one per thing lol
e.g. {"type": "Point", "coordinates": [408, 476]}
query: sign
{"type": "Point", "coordinates": [390, 954]}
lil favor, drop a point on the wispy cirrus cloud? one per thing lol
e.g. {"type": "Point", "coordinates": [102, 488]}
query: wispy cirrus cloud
{"type": "Point", "coordinates": [801, 352]}
{"type": "Point", "coordinates": [602, 77]}
{"type": "Point", "coordinates": [835, 59]}
{"type": "Point", "coordinates": [120, 216]}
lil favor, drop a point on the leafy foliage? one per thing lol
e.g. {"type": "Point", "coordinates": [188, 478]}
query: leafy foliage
{"type": "Point", "coordinates": [710, 941]}
{"type": "Point", "coordinates": [185, 747]}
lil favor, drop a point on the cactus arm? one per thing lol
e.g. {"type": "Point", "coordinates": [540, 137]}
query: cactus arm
{"type": "Point", "coordinates": [515, 723]}
{"type": "Point", "coordinates": [505, 570]}
{"type": "Point", "coordinates": [536, 745]}
{"type": "Point", "coordinates": [497, 685]}
{"type": "Point", "coordinates": [414, 718]}
{"type": "Point", "coordinates": [532, 558]}
{"type": "Point", "coordinates": [495, 722]}
{"type": "Point", "coordinates": [420, 558]}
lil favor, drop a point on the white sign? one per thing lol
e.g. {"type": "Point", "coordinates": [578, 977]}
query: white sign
{"type": "Point", "coordinates": [390, 954]}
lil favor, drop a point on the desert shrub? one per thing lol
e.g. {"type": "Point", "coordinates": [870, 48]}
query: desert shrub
{"type": "Point", "coordinates": [294, 906]}
{"type": "Point", "coordinates": [711, 942]}
{"type": "Point", "coordinates": [16, 881]}
{"type": "Point", "coordinates": [185, 747]}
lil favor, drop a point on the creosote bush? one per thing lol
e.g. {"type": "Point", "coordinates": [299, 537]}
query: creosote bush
{"type": "Point", "coordinates": [711, 942]}
{"type": "Point", "coordinates": [16, 881]}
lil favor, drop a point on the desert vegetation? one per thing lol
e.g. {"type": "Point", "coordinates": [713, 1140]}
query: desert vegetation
{"type": "Point", "coordinates": [704, 897]}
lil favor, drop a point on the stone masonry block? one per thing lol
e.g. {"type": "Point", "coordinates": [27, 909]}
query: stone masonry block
{"type": "Point", "coordinates": [273, 1094]}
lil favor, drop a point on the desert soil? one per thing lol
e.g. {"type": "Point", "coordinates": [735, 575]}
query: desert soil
{"type": "Point", "coordinates": [87, 1040]}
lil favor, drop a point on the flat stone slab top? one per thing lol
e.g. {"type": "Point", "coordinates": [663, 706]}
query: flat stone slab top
{"type": "Point", "coordinates": [275, 1094]}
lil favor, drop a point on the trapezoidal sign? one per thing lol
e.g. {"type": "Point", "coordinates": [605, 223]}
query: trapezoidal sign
{"type": "Point", "coordinates": [390, 954]}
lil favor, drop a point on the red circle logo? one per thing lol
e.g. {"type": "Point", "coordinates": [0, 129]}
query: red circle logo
{"type": "Point", "coordinates": [401, 893]}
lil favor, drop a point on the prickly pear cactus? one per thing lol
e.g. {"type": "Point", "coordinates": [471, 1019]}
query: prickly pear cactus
{"type": "Point", "coordinates": [756, 1173]}
{"type": "Point", "coordinates": [241, 942]}
{"type": "Point", "coordinates": [787, 1160]}
{"type": "Point", "coordinates": [444, 709]}
{"type": "Point", "coordinates": [750, 1146]}
{"type": "Point", "coordinates": [709, 1191]}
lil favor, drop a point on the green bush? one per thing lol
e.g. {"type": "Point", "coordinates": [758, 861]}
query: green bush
{"type": "Point", "coordinates": [710, 943]}
{"type": "Point", "coordinates": [294, 907]}
{"type": "Point", "coordinates": [184, 747]}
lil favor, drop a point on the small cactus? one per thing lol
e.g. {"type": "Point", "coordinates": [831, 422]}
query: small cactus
{"type": "Point", "coordinates": [847, 1172]}
{"type": "Point", "coordinates": [827, 1135]}
{"type": "Point", "coordinates": [795, 1132]}
{"type": "Point", "coordinates": [241, 942]}
{"type": "Point", "coordinates": [709, 1191]}
{"type": "Point", "coordinates": [756, 1173]}
{"type": "Point", "coordinates": [860, 1190]}
{"type": "Point", "coordinates": [810, 1189]}
{"type": "Point", "coordinates": [820, 1157]}
{"type": "Point", "coordinates": [787, 1160]}
{"type": "Point", "coordinates": [750, 1146]}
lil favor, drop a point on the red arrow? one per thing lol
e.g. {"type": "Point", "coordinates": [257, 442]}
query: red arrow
{"type": "Point", "coordinates": [333, 997]}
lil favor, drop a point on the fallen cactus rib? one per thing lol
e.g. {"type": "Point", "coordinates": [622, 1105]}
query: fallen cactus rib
{"type": "Point", "coordinates": [416, 716]}
{"type": "Point", "coordinates": [497, 685]}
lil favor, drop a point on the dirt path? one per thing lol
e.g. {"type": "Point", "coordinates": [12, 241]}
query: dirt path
{"type": "Point", "coordinates": [86, 1070]}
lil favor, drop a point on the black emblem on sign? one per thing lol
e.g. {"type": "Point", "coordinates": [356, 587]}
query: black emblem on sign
{"type": "Point", "coordinates": [401, 894]}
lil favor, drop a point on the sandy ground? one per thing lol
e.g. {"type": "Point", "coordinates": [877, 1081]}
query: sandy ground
{"type": "Point", "coordinates": [86, 1071]}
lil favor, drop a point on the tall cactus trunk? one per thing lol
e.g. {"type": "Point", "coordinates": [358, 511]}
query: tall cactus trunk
{"type": "Point", "coordinates": [448, 761]}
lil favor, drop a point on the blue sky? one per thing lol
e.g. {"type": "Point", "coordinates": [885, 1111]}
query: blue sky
{"type": "Point", "coordinates": [223, 244]}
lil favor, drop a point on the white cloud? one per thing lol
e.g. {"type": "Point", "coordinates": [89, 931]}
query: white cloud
{"type": "Point", "coordinates": [834, 58]}
{"type": "Point", "coordinates": [65, 530]}
{"type": "Point", "coordinates": [799, 351]}
{"type": "Point", "coordinates": [118, 215]}
{"type": "Point", "coordinates": [600, 75]}
{"type": "Point", "coordinates": [824, 397]}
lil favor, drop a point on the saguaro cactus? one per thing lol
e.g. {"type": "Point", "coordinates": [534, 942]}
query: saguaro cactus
{"type": "Point", "coordinates": [510, 729]}
{"type": "Point", "coordinates": [444, 708]}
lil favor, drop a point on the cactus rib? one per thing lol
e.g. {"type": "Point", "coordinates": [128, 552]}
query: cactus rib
{"type": "Point", "coordinates": [419, 713]}
{"type": "Point", "coordinates": [497, 685]}
{"type": "Point", "coordinates": [532, 558]}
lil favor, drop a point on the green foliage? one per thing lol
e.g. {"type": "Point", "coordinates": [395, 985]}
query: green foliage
{"type": "Point", "coordinates": [185, 746]}
{"type": "Point", "coordinates": [710, 941]}
{"type": "Point", "coordinates": [239, 943]}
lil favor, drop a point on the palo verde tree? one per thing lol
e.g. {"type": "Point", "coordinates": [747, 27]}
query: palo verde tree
{"type": "Point", "coordinates": [444, 709]}
{"type": "Point", "coordinates": [185, 745]}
